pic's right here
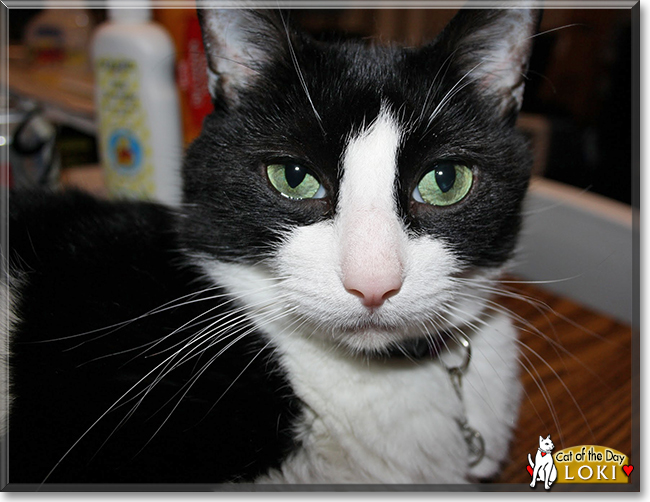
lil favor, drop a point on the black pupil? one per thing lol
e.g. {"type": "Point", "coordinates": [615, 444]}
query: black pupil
{"type": "Point", "coordinates": [294, 174]}
{"type": "Point", "coordinates": [445, 177]}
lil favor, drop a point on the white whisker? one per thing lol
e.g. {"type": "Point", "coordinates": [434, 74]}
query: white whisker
{"type": "Point", "coordinates": [188, 385]}
{"type": "Point", "coordinates": [301, 77]}
{"type": "Point", "coordinates": [212, 338]}
{"type": "Point", "coordinates": [451, 93]}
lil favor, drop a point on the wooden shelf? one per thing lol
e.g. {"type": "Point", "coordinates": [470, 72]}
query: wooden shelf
{"type": "Point", "coordinates": [88, 178]}
{"type": "Point", "coordinates": [66, 95]}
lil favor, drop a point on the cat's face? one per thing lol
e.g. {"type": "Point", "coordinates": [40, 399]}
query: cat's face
{"type": "Point", "coordinates": [361, 187]}
{"type": "Point", "coordinates": [546, 444]}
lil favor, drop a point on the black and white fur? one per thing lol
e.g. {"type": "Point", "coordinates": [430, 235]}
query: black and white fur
{"type": "Point", "coordinates": [251, 337]}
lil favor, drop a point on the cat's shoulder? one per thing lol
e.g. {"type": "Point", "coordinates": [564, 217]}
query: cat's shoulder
{"type": "Point", "coordinates": [77, 221]}
{"type": "Point", "coordinates": [73, 255]}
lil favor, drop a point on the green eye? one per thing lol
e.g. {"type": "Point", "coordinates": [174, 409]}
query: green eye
{"type": "Point", "coordinates": [294, 181]}
{"type": "Point", "coordinates": [447, 184]}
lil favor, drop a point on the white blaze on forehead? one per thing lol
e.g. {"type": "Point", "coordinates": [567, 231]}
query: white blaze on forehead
{"type": "Point", "coordinates": [370, 167]}
{"type": "Point", "coordinates": [370, 232]}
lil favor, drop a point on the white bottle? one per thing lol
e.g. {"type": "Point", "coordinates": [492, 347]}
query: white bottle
{"type": "Point", "coordinates": [138, 113]}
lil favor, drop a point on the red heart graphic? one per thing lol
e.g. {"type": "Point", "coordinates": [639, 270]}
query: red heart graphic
{"type": "Point", "coordinates": [530, 470]}
{"type": "Point", "coordinates": [627, 469]}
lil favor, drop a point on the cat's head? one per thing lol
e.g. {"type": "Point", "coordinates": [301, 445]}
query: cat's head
{"type": "Point", "coordinates": [546, 444]}
{"type": "Point", "coordinates": [355, 187]}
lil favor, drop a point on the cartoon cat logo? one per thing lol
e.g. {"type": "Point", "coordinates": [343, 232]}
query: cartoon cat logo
{"type": "Point", "coordinates": [544, 468]}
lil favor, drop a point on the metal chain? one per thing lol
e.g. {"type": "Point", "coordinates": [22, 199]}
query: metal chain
{"type": "Point", "coordinates": [473, 438]}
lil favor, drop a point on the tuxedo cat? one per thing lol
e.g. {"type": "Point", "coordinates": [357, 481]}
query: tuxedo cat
{"type": "Point", "coordinates": [307, 316]}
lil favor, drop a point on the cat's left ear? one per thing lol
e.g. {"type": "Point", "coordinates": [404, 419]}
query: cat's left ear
{"type": "Point", "coordinates": [238, 44]}
{"type": "Point", "coordinates": [493, 48]}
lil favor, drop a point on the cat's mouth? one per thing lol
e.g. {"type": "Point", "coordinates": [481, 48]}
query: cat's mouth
{"type": "Point", "coordinates": [379, 338]}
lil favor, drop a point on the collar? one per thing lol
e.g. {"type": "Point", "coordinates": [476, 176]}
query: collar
{"type": "Point", "coordinates": [420, 348]}
{"type": "Point", "coordinates": [544, 452]}
{"type": "Point", "coordinates": [416, 348]}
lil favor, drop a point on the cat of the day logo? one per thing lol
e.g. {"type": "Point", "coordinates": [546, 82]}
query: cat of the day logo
{"type": "Point", "coordinates": [577, 464]}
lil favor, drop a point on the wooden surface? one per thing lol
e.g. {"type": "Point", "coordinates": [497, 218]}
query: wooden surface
{"type": "Point", "coordinates": [583, 362]}
{"type": "Point", "coordinates": [89, 178]}
{"type": "Point", "coordinates": [68, 89]}
{"type": "Point", "coordinates": [65, 95]}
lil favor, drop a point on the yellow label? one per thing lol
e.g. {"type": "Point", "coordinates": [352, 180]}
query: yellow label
{"type": "Point", "coordinates": [591, 464]}
{"type": "Point", "coordinates": [124, 135]}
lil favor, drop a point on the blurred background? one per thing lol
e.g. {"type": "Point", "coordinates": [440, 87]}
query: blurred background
{"type": "Point", "coordinates": [577, 107]}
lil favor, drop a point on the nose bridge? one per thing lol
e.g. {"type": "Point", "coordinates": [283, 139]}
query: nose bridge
{"type": "Point", "coordinates": [371, 260]}
{"type": "Point", "coordinates": [369, 230]}
{"type": "Point", "coordinates": [371, 241]}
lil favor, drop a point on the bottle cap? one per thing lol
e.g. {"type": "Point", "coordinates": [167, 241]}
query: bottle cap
{"type": "Point", "coordinates": [121, 11]}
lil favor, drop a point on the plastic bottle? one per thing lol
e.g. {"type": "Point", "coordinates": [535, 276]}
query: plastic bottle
{"type": "Point", "coordinates": [139, 121]}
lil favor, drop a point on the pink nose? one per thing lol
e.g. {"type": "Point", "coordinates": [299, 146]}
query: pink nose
{"type": "Point", "coordinates": [373, 291]}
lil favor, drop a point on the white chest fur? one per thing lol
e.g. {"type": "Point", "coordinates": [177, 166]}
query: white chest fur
{"type": "Point", "coordinates": [395, 421]}
{"type": "Point", "coordinates": [384, 422]}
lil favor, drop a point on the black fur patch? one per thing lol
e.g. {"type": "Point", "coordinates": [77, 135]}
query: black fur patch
{"type": "Point", "coordinates": [86, 266]}
{"type": "Point", "coordinates": [347, 83]}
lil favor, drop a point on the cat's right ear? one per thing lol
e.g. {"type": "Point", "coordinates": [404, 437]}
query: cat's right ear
{"type": "Point", "coordinates": [238, 43]}
{"type": "Point", "coordinates": [492, 49]}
